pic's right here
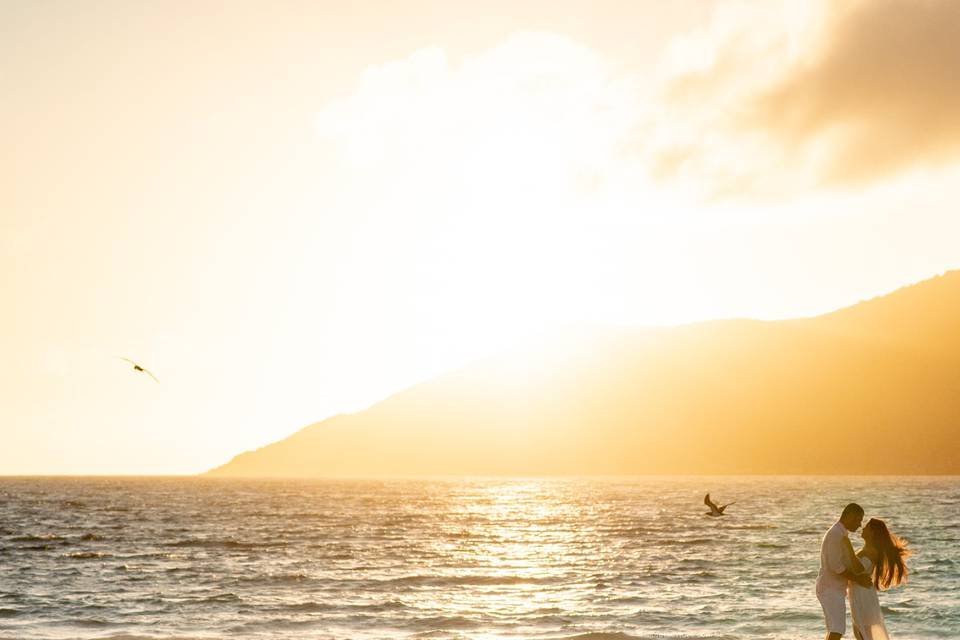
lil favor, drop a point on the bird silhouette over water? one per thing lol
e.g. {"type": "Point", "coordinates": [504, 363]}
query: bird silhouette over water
{"type": "Point", "coordinates": [715, 510]}
{"type": "Point", "coordinates": [137, 367]}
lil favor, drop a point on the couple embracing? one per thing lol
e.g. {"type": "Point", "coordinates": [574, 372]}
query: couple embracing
{"type": "Point", "coordinates": [858, 575]}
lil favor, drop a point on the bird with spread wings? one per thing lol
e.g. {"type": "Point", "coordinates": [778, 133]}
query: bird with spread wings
{"type": "Point", "coordinates": [137, 367]}
{"type": "Point", "coordinates": [715, 510]}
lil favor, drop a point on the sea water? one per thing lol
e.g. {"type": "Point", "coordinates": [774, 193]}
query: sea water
{"type": "Point", "coordinates": [455, 558]}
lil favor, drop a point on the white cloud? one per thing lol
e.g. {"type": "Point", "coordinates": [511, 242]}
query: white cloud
{"type": "Point", "coordinates": [518, 122]}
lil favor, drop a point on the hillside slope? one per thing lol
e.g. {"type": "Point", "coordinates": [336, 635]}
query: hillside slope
{"type": "Point", "coordinates": [872, 389]}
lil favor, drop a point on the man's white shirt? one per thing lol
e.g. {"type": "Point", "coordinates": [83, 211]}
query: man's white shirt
{"type": "Point", "coordinates": [832, 552]}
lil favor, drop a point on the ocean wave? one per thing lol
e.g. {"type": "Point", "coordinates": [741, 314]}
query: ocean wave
{"type": "Point", "coordinates": [88, 555]}
{"type": "Point", "coordinates": [46, 537]}
{"type": "Point", "coordinates": [311, 607]}
{"type": "Point", "coordinates": [547, 611]}
{"type": "Point", "coordinates": [704, 574]}
{"type": "Point", "coordinates": [791, 616]}
{"type": "Point", "coordinates": [221, 597]}
{"type": "Point", "coordinates": [632, 600]}
{"type": "Point", "coordinates": [150, 555]}
{"type": "Point", "coordinates": [90, 622]}
{"type": "Point", "coordinates": [601, 635]}
{"type": "Point", "coordinates": [443, 634]}
{"type": "Point", "coordinates": [906, 603]}
{"type": "Point", "coordinates": [465, 534]}
{"type": "Point", "coordinates": [634, 532]}
{"type": "Point", "coordinates": [40, 547]}
{"type": "Point", "coordinates": [468, 580]}
{"type": "Point", "coordinates": [689, 541]}
{"type": "Point", "coordinates": [279, 578]}
{"type": "Point", "coordinates": [225, 544]}
{"type": "Point", "coordinates": [441, 623]}
{"type": "Point", "coordinates": [127, 636]}
{"type": "Point", "coordinates": [324, 607]}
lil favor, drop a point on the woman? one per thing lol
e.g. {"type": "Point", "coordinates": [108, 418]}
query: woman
{"type": "Point", "coordinates": [882, 556]}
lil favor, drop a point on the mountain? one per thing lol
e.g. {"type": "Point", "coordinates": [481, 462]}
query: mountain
{"type": "Point", "coordinates": [869, 389]}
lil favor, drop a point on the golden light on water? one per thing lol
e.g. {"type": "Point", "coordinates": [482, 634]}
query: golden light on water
{"type": "Point", "coordinates": [480, 557]}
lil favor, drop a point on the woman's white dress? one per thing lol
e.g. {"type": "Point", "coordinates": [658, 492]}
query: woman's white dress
{"type": "Point", "coordinates": [865, 608]}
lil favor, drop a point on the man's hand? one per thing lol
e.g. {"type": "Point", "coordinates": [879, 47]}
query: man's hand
{"type": "Point", "coordinates": [863, 578]}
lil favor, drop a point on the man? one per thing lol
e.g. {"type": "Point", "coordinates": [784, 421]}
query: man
{"type": "Point", "coordinates": [836, 568]}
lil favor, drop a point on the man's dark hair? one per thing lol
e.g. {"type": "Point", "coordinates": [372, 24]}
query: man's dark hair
{"type": "Point", "coordinates": [852, 509]}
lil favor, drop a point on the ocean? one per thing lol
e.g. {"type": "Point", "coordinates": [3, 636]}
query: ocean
{"type": "Point", "coordinates": [483, 558]}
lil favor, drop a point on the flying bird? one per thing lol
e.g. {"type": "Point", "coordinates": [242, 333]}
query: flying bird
{"type": "Point", "coordinates": [137, 367]}
{"type": "Point", "coordinates": [714, 509]}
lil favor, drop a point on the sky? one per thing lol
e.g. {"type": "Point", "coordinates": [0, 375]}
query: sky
{"type": "Point", "coordinates": [290, 210]}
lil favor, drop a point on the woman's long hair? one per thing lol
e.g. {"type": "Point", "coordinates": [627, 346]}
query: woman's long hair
{"type": "Point", "coordinates": [891, 568]}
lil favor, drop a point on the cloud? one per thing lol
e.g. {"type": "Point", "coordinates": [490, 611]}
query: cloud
{"type": "Point", "coordinates": [518, 119]}
{"type": "Point", "coordinates": [769, 98]}
{"type": "Point", "coordinates": [489, 186]}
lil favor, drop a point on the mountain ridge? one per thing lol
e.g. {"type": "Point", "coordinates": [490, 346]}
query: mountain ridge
{"type": "Point", "coordinates": [871, 388]}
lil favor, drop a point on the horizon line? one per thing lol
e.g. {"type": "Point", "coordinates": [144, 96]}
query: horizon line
{"type": "Point", "coordinates": [205, 475]}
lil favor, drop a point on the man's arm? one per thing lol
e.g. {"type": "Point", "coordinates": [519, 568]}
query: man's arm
{"type": "Point", "coordinates": [854, 570]}
{"type": "Point", "coordinates": [862, 579]}
{"type": "Point", "coordinates": [851, 556]}
{"type": "Point", "coordinates": [842, 561]}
